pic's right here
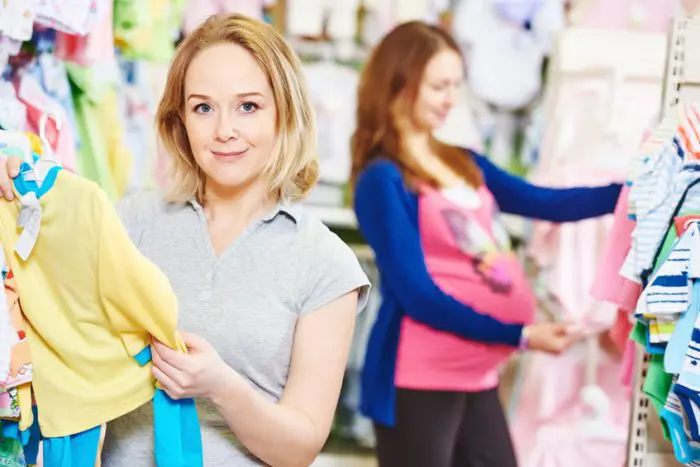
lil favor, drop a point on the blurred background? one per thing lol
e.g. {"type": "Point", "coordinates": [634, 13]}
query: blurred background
{"type": "Point", "coordinates": [561, 92]}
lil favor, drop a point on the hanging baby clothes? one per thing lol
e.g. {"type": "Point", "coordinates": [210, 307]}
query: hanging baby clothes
{"type": "Point", "coordinates": [665, 202]}
{"type": "Point", "coordinates": [97, 45]}
{"type": "Point", "coordinates": [103, 156]}
{"type": "Point", "coordinates": [305, 18]}
{"type": "Point", "coordinates": [608, 284]}
{"type": "Point", "coordinates": [8, 338]}
{"type": "Point", "coordinates": [550, 414]}
{"type": "Point", "coordinates": [17, 19]}
{"type": "Point", "coordinates": [504, 58]}
{"type": "Point", "coordinates": [197, 11]}
{"type": "Point", "coordinates": [381, 16]}
{"type": "Point", "coordinates": [84, 377]}
{"type": "Point", "coordinates": [21, 368]}
{"type": "Point", "coordinates": [638, 15]}
{"type": "Point", "coordinates": [147, 29]}
{"type": "Point", "coordinates": [665, 181]}
{"type": "Point", "coordinates": [504, 61]}
{"type": "Point", "coordinates": [419, 10]}
{"type": "Point", "coordinates": [13, 114]}
{"type": "Point", "coordinates": [16, 412]}
{"type": "Point", "coordinates": [136, 103]}
{"type": "Point", "coordinates": [71, 16]}
{"type": "Point", "coordinates": [333, 92]}
{"type": "Point", "coordinates": [555, 247]}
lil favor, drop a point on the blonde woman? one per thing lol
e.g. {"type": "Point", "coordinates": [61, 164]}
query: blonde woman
{"type": "Point", "coordinates": [268, 295]}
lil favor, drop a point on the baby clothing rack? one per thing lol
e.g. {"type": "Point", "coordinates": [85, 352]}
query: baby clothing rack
{"type": "Point", "coordinates": [681, 84]}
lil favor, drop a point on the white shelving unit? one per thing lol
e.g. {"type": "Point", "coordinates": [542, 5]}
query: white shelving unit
{"type": "Point", "coordinates": [681, 84]}
{"type": "Point", "coordinates": [338, 217]}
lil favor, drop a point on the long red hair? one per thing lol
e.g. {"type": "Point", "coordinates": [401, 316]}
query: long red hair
{"type": "Point", "coordinates": [395, 70]}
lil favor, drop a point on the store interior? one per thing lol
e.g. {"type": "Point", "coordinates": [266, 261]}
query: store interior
{"type": "Point", "coordinates": [562, 92]}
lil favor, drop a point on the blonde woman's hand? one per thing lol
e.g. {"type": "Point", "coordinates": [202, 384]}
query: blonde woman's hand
{"type": "Point", "coordinates": [9, 169]}
{"type": "Point", "coordinates": [553, 338]}
{"type": "Point", "coordinates": [199, 373]}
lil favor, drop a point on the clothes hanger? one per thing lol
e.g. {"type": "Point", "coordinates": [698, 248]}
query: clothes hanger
{"type": "Point", "coordinates": [48, 159]}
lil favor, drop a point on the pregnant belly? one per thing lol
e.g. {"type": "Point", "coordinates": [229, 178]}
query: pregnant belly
{"type": "Point", "coordinates": [439, 360]}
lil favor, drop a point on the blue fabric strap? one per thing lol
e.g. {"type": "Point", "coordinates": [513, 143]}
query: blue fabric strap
{"type": "Point", "coordinates": [79, 450]}
{"type": "Point", "coordinates": [178, 439]}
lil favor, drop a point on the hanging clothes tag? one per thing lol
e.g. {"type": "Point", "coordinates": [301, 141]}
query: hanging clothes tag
{"type": "Point", "coordinates": [30, 221]}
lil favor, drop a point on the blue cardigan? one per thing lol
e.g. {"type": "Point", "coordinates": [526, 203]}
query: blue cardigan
{"type": "Point", "coordinates": [387, 214]}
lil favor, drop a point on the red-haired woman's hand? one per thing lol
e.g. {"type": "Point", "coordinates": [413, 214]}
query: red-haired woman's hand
{"type": "Point", "coordinates": [553, 338]}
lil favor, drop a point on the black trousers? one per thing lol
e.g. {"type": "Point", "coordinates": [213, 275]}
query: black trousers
{"type": "Point", "coordinates": [446, 429]}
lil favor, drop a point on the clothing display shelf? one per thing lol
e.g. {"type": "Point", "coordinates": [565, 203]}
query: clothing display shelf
{"type": "Point", "coordinates": [681, 84]}
{"type": "Point", "coordinates": [334, 216]}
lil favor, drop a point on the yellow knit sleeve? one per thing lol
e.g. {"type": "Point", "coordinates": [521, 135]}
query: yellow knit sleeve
{"type": "Point", "coordinates": [135, 294]}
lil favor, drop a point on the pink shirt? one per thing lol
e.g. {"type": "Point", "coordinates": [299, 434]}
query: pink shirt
{"type": "Point", "coordinates": [609, 285]}
{"type": "Point", "coordinates": [467, 253]}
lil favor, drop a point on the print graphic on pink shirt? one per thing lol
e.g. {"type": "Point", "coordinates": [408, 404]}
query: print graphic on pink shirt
{"type": "Point", "coordinates": [489, 256]}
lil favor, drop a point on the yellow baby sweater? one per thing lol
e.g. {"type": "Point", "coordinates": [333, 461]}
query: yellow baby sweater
{"type": "Point", "coordinates": [91, 301]}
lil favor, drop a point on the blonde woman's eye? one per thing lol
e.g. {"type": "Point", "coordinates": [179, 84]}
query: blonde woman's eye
{"type": "Point", "coordinates": [249, 107]}
{"type": "Point", "coordinates": [203, 108]}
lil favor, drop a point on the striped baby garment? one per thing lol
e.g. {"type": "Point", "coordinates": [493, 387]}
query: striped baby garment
{"type": "Point", "coordinates": [667, 294]}
{"type": "Point", "coordinates": [687, 387]}
{"type": "Point", "coordinates": [667, 182]}
{"type": "Point", "coordinates": [685, 449]}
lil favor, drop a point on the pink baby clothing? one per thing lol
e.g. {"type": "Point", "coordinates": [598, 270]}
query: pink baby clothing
{"type": "Point", "coordinates": [97, 44]}
{"type": "Point", "coordinates": [639, 15]}
{"type": "Point", "coordinates": [556, 247]}
{"type": "Point", "coordinates": [547, 422]}
{"type": "Point", "coordinates": [609, 285]}
{"type": "Point", "coordinates": [468, 254]}
{"type": "Point", "coordinates": [620, 331]}
{"type": "Point", "coordinates": [550, 414]}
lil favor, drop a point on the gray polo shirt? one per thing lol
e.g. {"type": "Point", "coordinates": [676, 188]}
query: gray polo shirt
{"type": "Point", "coordinates": [245, 302]}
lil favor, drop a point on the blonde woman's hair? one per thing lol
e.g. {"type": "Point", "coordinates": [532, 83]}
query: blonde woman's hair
{"type": "Point", "coordinates": [293, 167]}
